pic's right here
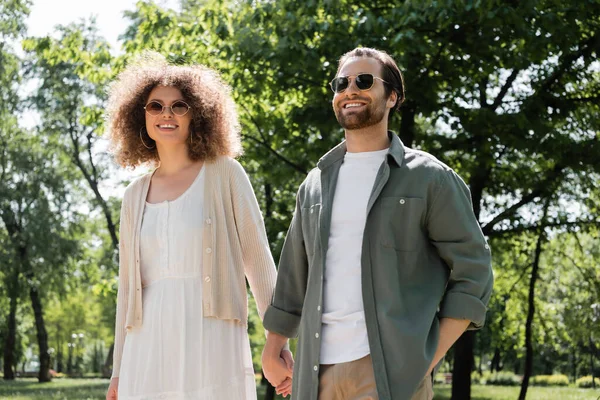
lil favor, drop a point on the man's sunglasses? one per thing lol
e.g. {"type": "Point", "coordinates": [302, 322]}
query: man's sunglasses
{"type": "Point", "coordinates": [363, 82]}
{"type": "Point", "coordinates": [179, 108]}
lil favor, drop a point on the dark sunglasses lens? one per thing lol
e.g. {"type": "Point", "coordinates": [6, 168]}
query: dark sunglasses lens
{"type": "Point", "coordinates": [154, 108]}
{"type": "Point", "coordinates": [364, 81]}
{"type": "Point", "coordinates": [339, 84]}
{"type": "Point", "coordinates": [180, 108]}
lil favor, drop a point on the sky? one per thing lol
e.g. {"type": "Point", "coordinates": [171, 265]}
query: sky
{"type": "Point", "coordinates": [46, 14]}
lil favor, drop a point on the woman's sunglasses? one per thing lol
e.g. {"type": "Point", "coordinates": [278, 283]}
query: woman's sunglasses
{"type": "Point", "coordinates": [179, 108]}
{"type": "Point", "coordinates": [363, 82]}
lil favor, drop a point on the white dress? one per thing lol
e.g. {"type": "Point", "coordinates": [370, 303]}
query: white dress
{"type": "Point", "coordinates": [178, 354]}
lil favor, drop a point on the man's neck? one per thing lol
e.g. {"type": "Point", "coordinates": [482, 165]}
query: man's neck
{"type": "Point", "coordinates": [372, 138]}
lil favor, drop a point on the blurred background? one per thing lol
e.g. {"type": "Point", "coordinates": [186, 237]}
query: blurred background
{"type": "Point", "coordinates": [505, 92]}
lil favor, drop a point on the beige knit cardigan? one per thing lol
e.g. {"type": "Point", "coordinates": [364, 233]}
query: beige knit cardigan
{"type": "Point", "coordinates": [235, 246]}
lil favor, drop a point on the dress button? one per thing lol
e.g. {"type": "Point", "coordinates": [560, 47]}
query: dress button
{"type": "Point", "coordinates": [402, 201]}
{"type": "Point", "coordinates": [208, 250]}
{"type": "Point", "coordinates": [207, 279]}
{"type": "Point", "coordinates": [317, 335]}
{"type": "Point", "coordinates": [208, 221]}
{"type": "Point", "coordinates": [316, 367]}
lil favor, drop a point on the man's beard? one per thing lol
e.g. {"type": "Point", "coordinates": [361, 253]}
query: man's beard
{"type": "Point", "coordinates": [368, 117]}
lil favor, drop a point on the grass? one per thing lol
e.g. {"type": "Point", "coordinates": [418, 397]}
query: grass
{"type": "Point", "coordinates": [95, 389]}
{"type": "Point", "coordinates": [481, 392]}
{"type": "Point", "coordinates": [58, 389]}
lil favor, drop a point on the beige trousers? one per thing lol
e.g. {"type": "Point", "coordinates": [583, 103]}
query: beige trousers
{"type": "Point", "coordinates": [355, 380]}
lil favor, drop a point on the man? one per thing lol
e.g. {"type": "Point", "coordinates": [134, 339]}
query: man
{"type": "Point", "coordinates": [384, 265]}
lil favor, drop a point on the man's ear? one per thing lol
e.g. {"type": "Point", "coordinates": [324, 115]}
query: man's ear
{"type": "Point", "coordinates": [392, 100]}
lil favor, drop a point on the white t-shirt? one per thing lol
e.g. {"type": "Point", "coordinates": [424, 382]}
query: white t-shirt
{"type": "Point", "coordinates": [343, 331]}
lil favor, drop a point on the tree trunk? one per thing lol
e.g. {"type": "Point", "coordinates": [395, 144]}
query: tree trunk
{"type": "Point", "coordinates": [42, 335]}
{"type": "Point", "coordinates": [574, 364]}
{"type": "Point", "coordinates": [480, 366]}
{"type": "Point", "coordinates": [11, 339]}
{"type": "Point", "coordinates": [592, 362]}
{"type": "Point", "coordinates": [531, 312]}
{"type": "Point", "coordinates": [495, 364]}
{"type": "Point", "coordinates": [407, 124]}
{"type": "Point", "coordinates": [463, 365]}
{"type": "Point", "coordinates": [107, 368]}
{"type": "Point", "coordinates": [270, 392]}
{"type": "Point", "coordinates": [463, 359]}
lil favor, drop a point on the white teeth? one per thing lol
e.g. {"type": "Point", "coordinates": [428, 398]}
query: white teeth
{"type": "Point", "coordinates": [350, 105]}
{"type": "Point", "coordinates": [167, 126]}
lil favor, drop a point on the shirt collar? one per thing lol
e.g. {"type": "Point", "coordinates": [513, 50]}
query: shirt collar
{"type": "Point", "coordinates": [395, 152]}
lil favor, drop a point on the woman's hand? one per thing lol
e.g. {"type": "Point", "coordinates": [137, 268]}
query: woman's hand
{"type": "Point", "coordinates": [113, 388]}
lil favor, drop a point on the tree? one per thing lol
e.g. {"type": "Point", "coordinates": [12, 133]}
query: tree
{"type": "Point", "coordinates": [12, 16]}
{"type": "Point", "coordinates": [73, 71]}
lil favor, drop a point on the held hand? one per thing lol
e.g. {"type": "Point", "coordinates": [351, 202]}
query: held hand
{"type": "Point", "coordinates": [285, 388]}
{"type": "Point", "coordinates": [277, 368]}
{"type": "Point", "coordinates": [287, 356]}
{"type": "Point", "coordinates": [112, 392]}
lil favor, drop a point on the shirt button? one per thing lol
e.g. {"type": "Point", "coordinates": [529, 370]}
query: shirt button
{"type": "Point", "coordinates": [317, 335]}
{"type": "Point", "coordinates": [312, 210]}
{"type": "Point", "coordinates": [208, 221]}
{"type": "Point", "coordinates": [207, 279]}
{"type": "Point", "coordinates": [487, 246]}
{"type": "Point", "coordinates": [318, 308]}
{"type": "Point", "coordinates": [208, 250]}
{"type": "Point", "coordinates": [402, 201]}
{"type": "Point", "coordinates": [316, 367]}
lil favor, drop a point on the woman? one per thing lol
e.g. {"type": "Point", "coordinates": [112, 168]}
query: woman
{"type": "Point", "coordinates": [191, 231]}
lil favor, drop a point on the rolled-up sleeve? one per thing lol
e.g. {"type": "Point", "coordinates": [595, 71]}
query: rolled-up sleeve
{"type": "Point", "coordinates": [454, 231]}
{"type": "Point", "coordinates": [284, 314]}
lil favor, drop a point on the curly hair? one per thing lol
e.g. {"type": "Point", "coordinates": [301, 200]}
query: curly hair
{"type": "Point", "coordinates": [214, 124]}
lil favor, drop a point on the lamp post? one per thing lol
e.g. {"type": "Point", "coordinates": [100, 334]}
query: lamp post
{"type": "Point", "coordinates": [595, 317]}
{"type": "Point", "coordinates": [80, 337]}
{"type": "Point", "coordinates": [70, 358]}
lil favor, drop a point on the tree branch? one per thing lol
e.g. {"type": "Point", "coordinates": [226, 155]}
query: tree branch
{"type": "Point", "coordinates": [274, 152]}
{"type": "Point", "coordinates": [263, 142]}
{"type": "Point", "coordinates": [540, 190]}
{"type": "Point", "coordinates": [507, 85]}
{"type": "Point", "coordinates": [537, 227]}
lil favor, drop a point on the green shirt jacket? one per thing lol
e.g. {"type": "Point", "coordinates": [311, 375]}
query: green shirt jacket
{"type": "Point", "coordinates": [424, 257]}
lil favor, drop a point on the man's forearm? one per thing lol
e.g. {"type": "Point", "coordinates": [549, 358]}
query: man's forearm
{"type": "Point", "coordinates": [274, 344]}
{"type": "Point", "coordinates": [450, 330]}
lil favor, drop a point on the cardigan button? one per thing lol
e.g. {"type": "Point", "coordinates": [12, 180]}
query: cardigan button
{"type": "Point", "coordinates": [207, 279]}
{"type": "Point", "coordinates": [208, 221]}
{"type": "Point", "coordinates": [208, 250]}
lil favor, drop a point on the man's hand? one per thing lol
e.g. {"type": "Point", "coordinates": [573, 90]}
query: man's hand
{"type": "Point", "coordinates": [450, 330]}
{"type": "Point", "coordinates": [285, 388]}
{"type": "Point", "coordinates": [278, 363]}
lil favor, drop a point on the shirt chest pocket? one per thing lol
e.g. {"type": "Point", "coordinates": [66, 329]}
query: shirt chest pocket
{"type": "Point", "coordinates": [401, 222]}
{"type": "Point", "coordinates": [310, 226]}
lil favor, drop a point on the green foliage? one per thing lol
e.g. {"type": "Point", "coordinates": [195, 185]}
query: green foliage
{"type": "Point", "coordinates": [586, 382]}
{"type": "Point", "coordinates": [504, 92]}
{"type": "Point", "coordinates": [502, 379]}
{"type": "Point", "coordinates": [549, 380]}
